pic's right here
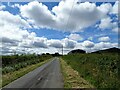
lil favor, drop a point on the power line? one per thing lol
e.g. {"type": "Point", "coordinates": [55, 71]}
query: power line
{"type": "Point", "coordinates": [67, 23]}
{"type": "Point", "coordinates": [70, 13]}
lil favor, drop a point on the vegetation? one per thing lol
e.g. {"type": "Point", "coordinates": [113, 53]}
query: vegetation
{"type": "Point", "coordinates": [101, 70]}
{"type": "Point", "coordinates": [15, 66]}
{"type": "Point", "coordinates": [9, 77]}
{"type": "Point", "coordinates": [16, 62]}
{"type": "Point", "coordinates": [71, 78]}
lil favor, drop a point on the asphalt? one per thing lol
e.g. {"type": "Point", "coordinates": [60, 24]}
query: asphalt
{"type": "Point", "coordinates": [46, 76]}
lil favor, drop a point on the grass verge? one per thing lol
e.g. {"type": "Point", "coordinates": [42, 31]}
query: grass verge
{"type": "Point", "coordinates": [71, 78]}
{"type": "Point", "coordinates": [9, 77]}
{"type": "Point", "coordinates": [101, 70]}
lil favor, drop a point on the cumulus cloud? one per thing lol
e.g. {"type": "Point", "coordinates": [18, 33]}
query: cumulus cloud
{"type": "Point", "coordinates": [38, 14]}
{"type": "Point", "coordinates": [9, 41]}
{"type": "Point", "coordinates": [75, 37]}
{"type": "Point", "coordinates": [21, 38]}
{"type": "Point", "coordinates": [88, 44]}
{"type": "Point", "coordinates": [90, 38]}
{"type": "Point", "coordinates": [64, 17]}
{"type": "Point", "coordinates": [13, 33]}
{"type": "Point", "coordinates": [105, 23]}
{"type": "Point", "coordinates": [115, 9]}
{"type": "Point", "coordinates": [91, 47]}
{"type": "Point", "coordinates": [8, 18]}
{"type": "Point", "coordinates": [105, 8]}
{"type": "Point", "coordinates": [15, 5]}
{"type": "Point", "coordinates": [16, 37]}
{"type": "Point", "coordinates": [40, 42]}
{"type": "Point", "coordinates": [104, 39]}
{"type": "Point", "coordinates": [55, 43]}
{"type": "Point", "coordinates": [6, 50]}
{"type": "Point", "coordinates": [69, 43]}
{"type": "Point", "coordinates": [2, 6]}
{"type": "Point", "coordinates": [104, 45]}
{"type": "Point", "coordinates": [117, 30]}
{"type": "Point", "coordinates": [108, 23]}
{"type": "Point", "coordinates": [115, 27]}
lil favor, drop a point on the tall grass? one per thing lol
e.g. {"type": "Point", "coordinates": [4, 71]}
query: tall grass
{"type": "Point", "coordinates": [101, 70]}
{"type": "Point", "coordinates": [16, 62]}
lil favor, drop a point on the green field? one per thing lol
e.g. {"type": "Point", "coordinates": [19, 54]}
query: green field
{"type": "Point", "coordinates": [101, 70]}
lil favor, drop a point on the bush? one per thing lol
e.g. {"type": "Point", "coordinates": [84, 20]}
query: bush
{"type": "Point", "coordinates": [16, 62]}
{"type": "Point", "coordinates": [8, 69]}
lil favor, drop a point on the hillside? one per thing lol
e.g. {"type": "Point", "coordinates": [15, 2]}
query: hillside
{"type": "Point", "coordinates": [110, 50]}
{"type": "Point", "coordinates": [77, 51]}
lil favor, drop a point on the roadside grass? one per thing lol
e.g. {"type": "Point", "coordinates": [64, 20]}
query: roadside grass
{"type": "Point", "coordinates": [71, 78]}
{"type": "Point", "coordinates": [101, 70]}
{"type": "Point", "coordinates": [0, 77]}
{"type": "Point", "coordinates": [13, 63]}
{"type": "Point", "coordinates": [9, 77]}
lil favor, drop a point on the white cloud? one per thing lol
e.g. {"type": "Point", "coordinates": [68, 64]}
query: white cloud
{"type": "Point", "coordinates": [104, 45]}
{"type": "Point", "coordinates": [14, 20]}
{"type": "Point", "coordinates": [88, 44]}
{"type": "Point", "coordinates": [117, 30]}
{"type": "Point", "coordinates": [90, 38]}
{"type": "Point", "coordinates": [115, 9]}
{"type": "Point", "coordinates": [104, 39]}
{"type": "Point", "coordinates": [2, 6]}
{"type": "Point", "coordinates": [38, 14]}
{"type": "Point", "coordinates": [91, 47]}
{"type": "Point", "coordinates": [55, 43]}
{"type": "Point", "coordinates": [40, 42]}
{"type": "Point", "coordinates": [115, 27]}
{"type": "Point", "coordinates": [105, 23]}
{"type": "Point", "coordinates": [22, 41]}
{"type": "Point", "coordinates": [82, 15]}
{"type": "Point", "coordinates": [17, 39]}
{"type": "Point", "coordinates": [75, 37]}
{"type": "Point", "coordinates": [12, 33]}
{"type": "Point", "coordinates": [14, 38]}
{"type": "Point", "coordinates": [15, 5]}
{"type": "Point", "coordinates": [69, 43]}
{"type": "Point", "coordinates": [105, 8]}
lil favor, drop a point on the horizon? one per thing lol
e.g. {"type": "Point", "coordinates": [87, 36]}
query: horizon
{"type": "Point", "coordinates": [61, 53]}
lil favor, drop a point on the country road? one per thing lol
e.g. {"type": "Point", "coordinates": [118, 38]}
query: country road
{"type": "Point", "coordinates": [46, 76]}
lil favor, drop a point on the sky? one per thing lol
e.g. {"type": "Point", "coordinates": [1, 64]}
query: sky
{"type": "Point", "coordinates": [46, 27]}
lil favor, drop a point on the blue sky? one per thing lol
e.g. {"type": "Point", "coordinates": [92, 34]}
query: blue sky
{"type": "Point", "coordinates": [48, 25]}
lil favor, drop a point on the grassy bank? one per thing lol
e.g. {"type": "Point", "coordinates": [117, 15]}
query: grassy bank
{"type": "Point", "coordinates": [19, 70]}
{"type": "Point", "coordinates": [101, 70]}
{"type": "Point", "coordinates": [71, 78]}
{"type": "Point", "coordinates": [15, 62]}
